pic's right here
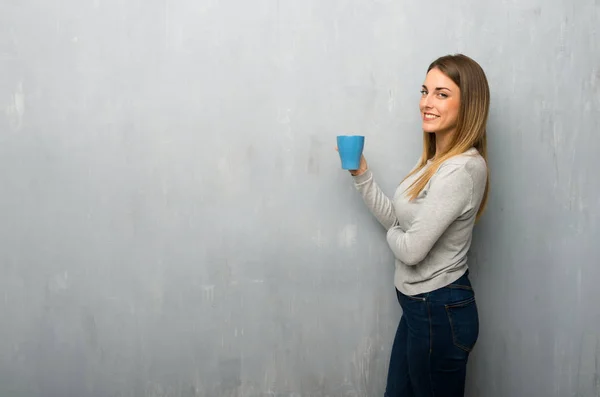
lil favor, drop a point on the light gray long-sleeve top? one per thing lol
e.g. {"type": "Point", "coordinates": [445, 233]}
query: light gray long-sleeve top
{"type": "Point", "coordinates": [430, 236]}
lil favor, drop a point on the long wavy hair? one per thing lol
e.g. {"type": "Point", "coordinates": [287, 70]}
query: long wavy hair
{"type": "Point", "coordinates": [471, 123]}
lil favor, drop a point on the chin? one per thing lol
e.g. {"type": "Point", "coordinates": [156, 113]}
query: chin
{"type": "Point", "coordinates": [429, 129]}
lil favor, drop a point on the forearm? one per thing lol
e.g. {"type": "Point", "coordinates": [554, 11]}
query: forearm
{"type": "Point", "coordinates": [377, 202]}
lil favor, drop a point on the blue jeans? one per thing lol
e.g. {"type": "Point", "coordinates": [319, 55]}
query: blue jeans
{"type": "Point", "coordinates": [437, 332]}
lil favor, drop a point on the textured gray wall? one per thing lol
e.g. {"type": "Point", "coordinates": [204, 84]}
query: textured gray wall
{"type": "Point", "coordinates": [174, 220]}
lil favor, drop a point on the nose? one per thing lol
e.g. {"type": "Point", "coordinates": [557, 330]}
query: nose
{"type": "Point", "coordinates": [427, 101]}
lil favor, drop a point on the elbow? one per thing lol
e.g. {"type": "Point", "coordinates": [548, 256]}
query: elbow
{"type": "Point", "coordinates": [410, 258]}
{"type": "Point", "coordinates": [404, 250]}
{"type": "Point", "coordinates": [408, 255]}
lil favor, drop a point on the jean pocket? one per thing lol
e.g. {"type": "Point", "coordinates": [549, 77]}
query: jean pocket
{"type": "Point", "coordinates": [464, 323]}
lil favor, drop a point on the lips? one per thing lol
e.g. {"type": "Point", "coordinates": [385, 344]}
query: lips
{"type": "Point", "coordinates": [430, 116]}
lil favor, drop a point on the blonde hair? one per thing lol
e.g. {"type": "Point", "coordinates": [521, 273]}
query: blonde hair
{"type": "Point", "coordinates": [471, 124]}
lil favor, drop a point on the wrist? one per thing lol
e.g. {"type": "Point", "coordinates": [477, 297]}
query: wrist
{"type": "Point", "coordinates": [362, 176]}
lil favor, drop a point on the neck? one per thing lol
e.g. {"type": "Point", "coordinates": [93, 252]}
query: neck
{"type": "Point", "coordinates": [442, 141]}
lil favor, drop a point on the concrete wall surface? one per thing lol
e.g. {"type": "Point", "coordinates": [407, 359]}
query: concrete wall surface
{"type": "Point", "coordinates": [174, 220]}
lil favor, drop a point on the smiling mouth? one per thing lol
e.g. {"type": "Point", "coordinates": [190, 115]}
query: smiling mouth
{"type": "Point", "coordinates": [429, 116]}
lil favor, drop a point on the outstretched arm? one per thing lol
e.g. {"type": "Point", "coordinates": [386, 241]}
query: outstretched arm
{"type": "Point", "coordinates": [377, 202]}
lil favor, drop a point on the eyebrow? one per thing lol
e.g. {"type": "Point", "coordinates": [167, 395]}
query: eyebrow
{"type": "Point", "coordinates": [437, 88]}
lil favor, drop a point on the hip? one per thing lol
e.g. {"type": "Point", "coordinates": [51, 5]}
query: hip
{"type": "Point", "coordinates": [449, 312]}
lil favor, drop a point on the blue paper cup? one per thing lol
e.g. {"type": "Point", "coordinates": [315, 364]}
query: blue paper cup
{"type": "Point", "coordinates": [350, 148]}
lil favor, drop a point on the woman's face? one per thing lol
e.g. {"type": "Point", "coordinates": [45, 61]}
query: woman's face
{"type": "Point", "coordinates": [440, 102]}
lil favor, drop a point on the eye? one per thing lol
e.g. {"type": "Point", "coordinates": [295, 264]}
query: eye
{"type": "Point", "coordinates": [442, 95]}
{"type": "Point", "coordinates": [423, 92]}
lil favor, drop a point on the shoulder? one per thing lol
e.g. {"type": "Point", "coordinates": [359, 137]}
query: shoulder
{"type": "Point", "coordinates": [470, 164]}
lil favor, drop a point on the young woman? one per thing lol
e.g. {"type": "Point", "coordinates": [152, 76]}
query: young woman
{"type": "Point", "coordinates": [429, 223]}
